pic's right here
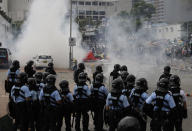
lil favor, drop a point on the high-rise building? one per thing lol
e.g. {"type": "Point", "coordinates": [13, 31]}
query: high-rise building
{"type": "Point", "coordinates": [98, 9]}
{"type": "Point", "coordinates": [160, 15]}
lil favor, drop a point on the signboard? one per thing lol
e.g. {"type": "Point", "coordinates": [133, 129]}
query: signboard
{"type": "Point", "coordinates": [72, 41]}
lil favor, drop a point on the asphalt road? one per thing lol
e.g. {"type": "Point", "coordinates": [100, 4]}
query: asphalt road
{"type": "Point", "coordinates": [152, 77]}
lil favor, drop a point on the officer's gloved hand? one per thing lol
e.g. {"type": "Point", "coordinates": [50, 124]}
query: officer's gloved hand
{"type": "Point", "coordinates": [185, 113]}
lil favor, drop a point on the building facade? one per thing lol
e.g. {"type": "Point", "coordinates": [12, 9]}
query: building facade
{"type": "Point", "coordinates": [160, 15]}
{"type": "Point", "coordinates": [18, 9]}
{"type": "Point", "coordinates": [99, 9]}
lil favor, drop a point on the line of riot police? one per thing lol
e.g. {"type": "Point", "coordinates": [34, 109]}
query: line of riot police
{"type": "Point", "coordinates": [36, 103]}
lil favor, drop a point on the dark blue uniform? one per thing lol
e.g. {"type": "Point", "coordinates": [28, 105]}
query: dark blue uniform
{"type": "Point", "coordinates": [81, 101]}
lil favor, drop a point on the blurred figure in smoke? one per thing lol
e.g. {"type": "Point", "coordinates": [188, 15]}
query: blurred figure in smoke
{"type": "Point", "coordinates": [29, 69]}
{"type": "Point", "coordinates": [98, 71]}
{"type": "Point", "coordinates": [50, 69]}
{"type": "Point", "coordinates": [166, 74]}
{"type": "Point", "coordinates": [128, 124]}
{"type": "Point", "coordinates": [123, 68]}
{"type": "Point", "coordinates": [115, 73]}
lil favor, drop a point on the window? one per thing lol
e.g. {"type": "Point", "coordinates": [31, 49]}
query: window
{"type": "Point", "coordinates": [102, 17]}
{"type": "Point", "coordinates": [81, 17]}
{"type": "Point", "coordinates": [103, 3]}
{"type": "Point", "coordinates": [88, 12]}
{"type": "Point", "coordinates": [95, 3]}
{"type": "Point", "coordinates": [101, 12]}
{"type": "Point", "coordinates": [100, 3]}
{"type": "Point", "coordinates": [74, 2]}
{"type": "Point", "coordinates": [81, 3]}
{"type": "Point", "coordinates": [81, 12]}
{"type": "Point", "coordinates": [95, 17]}
{"type": "Point", "coordinates": [87, 3]}
{"type": "Point", "coordinates": [95, 13]}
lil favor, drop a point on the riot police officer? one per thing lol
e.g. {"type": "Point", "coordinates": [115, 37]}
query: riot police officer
{"type": "Point", "coordinates": [20, 94]}
{"type": "Point", "coordinates": [66, 106]}
{"type": "Point", "coordinates": [12, 75]}
{"type": "Point", "coordinates": [137, 99]}
{"type": "Point", "coordinates": [81, 100]}
{"type": "Point", "coordinates": [159, 106]}
{"type": "Point", "coordinates": [81, 68]}
{"type": "Point", "coordinates": [29, 69]}
{"type": "Point", "coordinates": [51, 99]}
{"type": "Point", "coordinates": [129, 124]}
{"type": "Point", "coordinates": [124, 75]}
{"type": "Point", "coordinates": [115, 73]}
{"type": "Point", "coordinates": [123, 68]}
{"type": "Point", "coordinates": [98, 71]}
{"type": "Point", "coordinates": [45, 74]}
{"type": "Point", "coordinates": [117, 104]}
{"type": "Point", "coordinates": [50, 69]}
{"type": "Point", "coordinates": [35, 105]}
{"type": "Point", "coordinates": [98, 99]}
{"type": "Point", "coordinates": [180, 101]}
{"type": "Point", "coordinates": [166, 73]}
{"type": "Point", "coordinates": [130, 85]}
{"type": "Point", "coordinates": [39, 80]}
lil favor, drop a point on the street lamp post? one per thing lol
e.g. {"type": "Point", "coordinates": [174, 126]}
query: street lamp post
{"type": "Point", "coordinates": [70, 46]}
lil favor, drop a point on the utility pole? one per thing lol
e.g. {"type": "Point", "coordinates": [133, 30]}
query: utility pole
{"type": "Point", "coordinates": [70, 46]}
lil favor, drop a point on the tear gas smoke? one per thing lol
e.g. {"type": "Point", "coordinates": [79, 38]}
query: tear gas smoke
{"type": "Point", "coordinates": [46, 31]}
{"type": "Point", "coordinates": [133, 49]}
{"type": "Point", "coordinates": [178, 11]}
{"type": "Point", "coordinates": [5, 37]}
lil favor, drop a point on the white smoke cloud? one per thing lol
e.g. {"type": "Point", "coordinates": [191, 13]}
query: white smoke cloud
{"type": "Point", "coordinates": [46, 31]}
{"type": "Point", "coordinates": [125, 45]}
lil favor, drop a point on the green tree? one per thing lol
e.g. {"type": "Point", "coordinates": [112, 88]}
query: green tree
{"type": "Point", "coordinates": [142, 10]}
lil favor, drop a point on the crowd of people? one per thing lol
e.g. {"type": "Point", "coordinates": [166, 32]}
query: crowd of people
{"type": "Point", "coordinates": [37, 104]}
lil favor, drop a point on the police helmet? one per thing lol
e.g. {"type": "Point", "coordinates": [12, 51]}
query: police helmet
{"type": "Point", "coordinates": [31, 81]}
{"type": "Point", "coordinates": [99, 78]}
{"type": "Point", "coordinates": [22, 77]}
{"type": "Point", "coordinates": [30, 63]}
{"type": "Point", "coordinates": [39, 75]}
{"type": "Point", "coordinates": [16, 64]}
{"type": "Point", "coordinates": [50, 64]}
{"type": "Point", "coordinates": [128, 123]}
{"type": "Point", "coordinates": [142, 84]}
{"type": "Point", "coordinates": [45, 74]}
{"type": "Point", "coordinates": [99, 68]}
{"type": "Point", "coordinates": [167, 69]}
{"type": "Point", "coordinates": [51, 79]}
{"type": "Point", "coordinates": [163, 85]}
{"type": "Point", "coordinates": [81, 66]}
{"type": "Point", "coordinates": [123, 68]}
{"type": "Point", "coordinates": [117, 67]}
{"type": "Point", "coordinates": [117, 85]}
{"type": "Point", "coordinates": [174, 80]}
{"type": "Point", "coordinates": [130, 79]}
{"type": "Point", "coordinates": [64, 84]}
{"type": "Point", "coordinates": [82, 77]}
{"type": "Point", "coordinates": [124, 75]}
